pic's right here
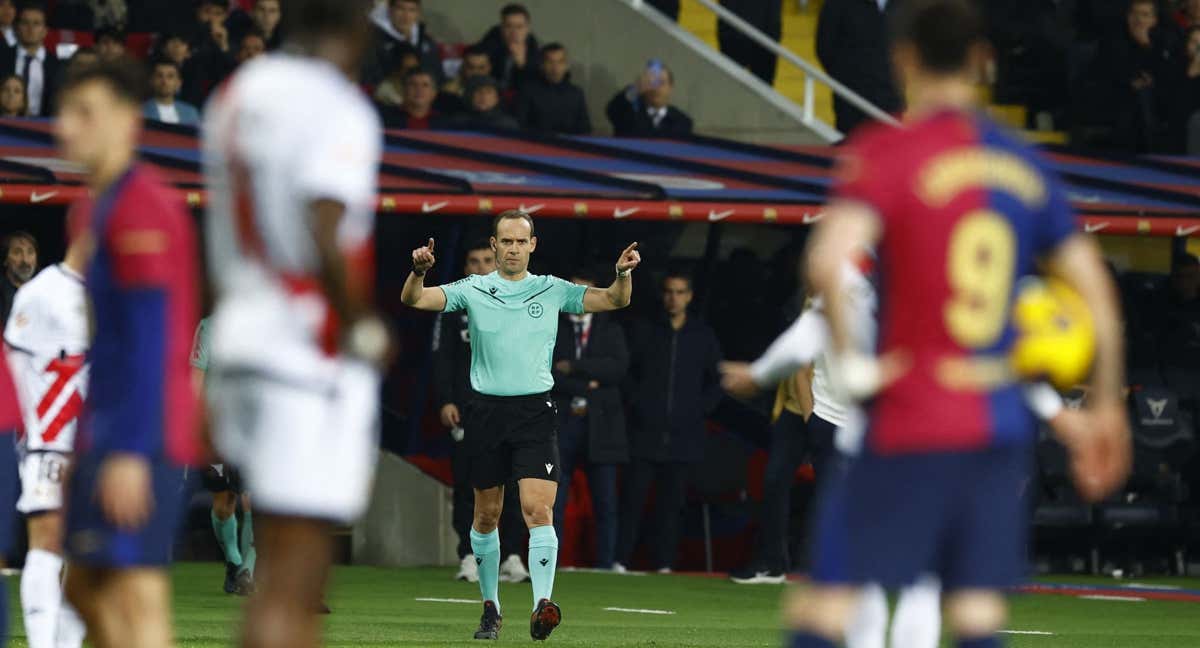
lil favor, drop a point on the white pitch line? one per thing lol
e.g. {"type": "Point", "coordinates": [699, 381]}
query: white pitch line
{"type": "Point", "coordinates": [637, 610]}
{"type": "Point", "coordinates": [9, 571]}
{"type": "Point", "coordinates": [1027, 632]}
{"type": "Point", "coordinates": [589, 570]}
{"type": "Point", "coordinates": [1151, 586]}
{"type": "Point", "coordinates": [1105, 597]}
{"type": "Point", "coordinates": [446, 600]}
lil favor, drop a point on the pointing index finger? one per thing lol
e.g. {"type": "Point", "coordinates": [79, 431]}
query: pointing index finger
{"type": "Point", "coordinates": [631, 248]}
{"type": "Point", "coordinates": [430, 244]}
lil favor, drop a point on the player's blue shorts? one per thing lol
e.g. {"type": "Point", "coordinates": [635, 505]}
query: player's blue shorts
{"type": "Point", "coordinates": [959, 515]}
{"type": "Point", "coordinates": [93, 540]}
{"type": "Point", "coordinates": [10, 485]}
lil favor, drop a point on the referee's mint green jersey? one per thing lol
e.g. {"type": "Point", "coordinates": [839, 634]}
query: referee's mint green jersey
{"type": "Point", "coordinates": [513, 326]}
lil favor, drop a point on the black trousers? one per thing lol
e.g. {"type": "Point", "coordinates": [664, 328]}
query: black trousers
{"type": "Point", "coordinates": [767, 16]}
{"type": "Point", "coordinates": [792, 443]}
{"type": "Point", "coordinates": [670, 482]}
{"type": "Point", "coordinates": [512, 522]}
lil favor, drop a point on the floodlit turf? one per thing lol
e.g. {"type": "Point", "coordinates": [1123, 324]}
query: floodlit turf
{"type": "Point", "coordinates": [378, 607]}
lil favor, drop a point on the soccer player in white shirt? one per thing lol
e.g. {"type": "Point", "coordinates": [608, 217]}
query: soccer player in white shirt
{"type": "Point", "coordinates": [292, 151]}
{"type": "Point", "coordinates": [917, 620]}
{"type": "Point", "coordinates": [46, 341]}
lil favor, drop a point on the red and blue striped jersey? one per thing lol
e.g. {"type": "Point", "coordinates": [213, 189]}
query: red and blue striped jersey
{"type": "Point", "coordinates": [965, 210]}
{"type": "Point", "coordinates": [143, 282]}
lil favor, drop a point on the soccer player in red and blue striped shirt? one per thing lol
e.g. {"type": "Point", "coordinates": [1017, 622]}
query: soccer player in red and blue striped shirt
{"type": "Point", "coordinates": [958, 211]}
{"type": "Point", "coordinates": [138, 426]}
{"type": "Point", "coordinates": [10, 422]}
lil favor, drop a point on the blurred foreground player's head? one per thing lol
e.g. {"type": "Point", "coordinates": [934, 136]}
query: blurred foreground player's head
{"type": "Point", "coordinates": [938, 47]}
{"type": "Point", "coordinates": [336, 30]}
{"type": "Point", "coordinates": [100, 117]}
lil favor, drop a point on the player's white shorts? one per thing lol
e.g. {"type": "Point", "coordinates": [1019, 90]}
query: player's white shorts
{"type": "Point", "coordinates": [304, 449]}
{"type": "Point", "coordinates": [42, 475]}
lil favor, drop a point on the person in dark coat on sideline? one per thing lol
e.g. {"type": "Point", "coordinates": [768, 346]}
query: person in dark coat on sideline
{"type": "Point", "coordinates": [590, 360]}
{"type": "Point", "coordinates": [483, 109]}
{"type": "Point", "coordinates": [644, 109]}
{"type": "Point", "coordinates": [551, 103]}
{"type": "Point", "coordinates": [854, 47]}
{"type": "Point", "coordinates": [675, 385]}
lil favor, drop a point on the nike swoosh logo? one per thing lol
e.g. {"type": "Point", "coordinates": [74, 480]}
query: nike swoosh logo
{"type": "Point", "coordinates": [715, 216]}
{"type": "Point", "coordinates": [809, 219]}
{"type": "Point", "coordinates": [532, 209]}
{"type": "Point", "coordinates": [1092, 229]}
{"type": "Point", "coordinates": [625, 213]}
{"type": "Point", "coordinates": [429, 209]}
{"type": "Point", "coordinates": [1186, 231]}
{"type": "Point", "coordinates": [36, 197]}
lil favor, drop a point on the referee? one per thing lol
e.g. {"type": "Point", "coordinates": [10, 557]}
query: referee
{"type": "Point", "coordinates": [512, 423]}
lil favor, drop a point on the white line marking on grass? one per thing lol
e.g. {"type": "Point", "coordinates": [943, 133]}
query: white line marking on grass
{"type": "Point", "coordinates": [9, 571]}
{"type": "Point", "coordinates": [1027, 632]}
{"type": "Point", "coordinates": [446, 600]}
{"type": "Point", "coordinates": [590, 570]}
{"type": "Point", "coordinates": [1151, 586]}
{"type": "Point", "coordinates": [637, 610]}
{"type": "Point", "coordinates": [1105, 597]}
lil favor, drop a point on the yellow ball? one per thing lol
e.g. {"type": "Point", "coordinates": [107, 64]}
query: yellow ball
{"type": "Point", "coordinates": [1056, 340]}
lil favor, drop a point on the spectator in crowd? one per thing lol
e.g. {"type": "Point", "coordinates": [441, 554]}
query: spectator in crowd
{"type": "Point", "coordinates": [32, 61]}
{"type": "Point", "coordinates": [8, 17]}
{"type": "Point", "coordinates": [675, 384]}
{"type": "Point", "coordinates": [175, 47]}
{"type": "Point", "coordinates": [1142, 67]}
{"type": "Point", "coordinates": [767, 16]}
{"type": "Point", "coordinates": [1190, 96]}
{"type": "Point", "coordinates": [399, 23]}
{"type": "Point", "coordinates": [1188, 15]}
{"type": "Point", "coordinates": [482, 98]}
{"type": "Point", "coordinates": [82, 56]}
{"type": "Point", "coordinates": [265, 18]}
{"type": "Point", "coordinates": [644, 109]}
{"type": "Point", "coordinates": [512, 47]}
{"type": "Point", "coordinates": [551, 103]}
{"type": "Point", "coordinates": [391, 91]}
{"type": "Point", "coordinates": [251, 45]}
{"type": "Point", "coordinates": [20, 264]}
{"type": "Point", "coordinates": [110, 44]}
{"type": "Point", "coordinates": [853, 46]}
{"type": "Point", "coordinates": [475, 62]}
{"type": "Point", "coordinates": [452, 389]}
{"type": "Point", "coordinates": [109, 14]}
{"type": "Point", "coordinates": [164, 105]}
{"type": "Point", "coordinates": [213, 57]}
{"type": "Point", "coordinates": [418, 111]}
{"type": "Point", "coordinates": [590, 360]}
{"type": "Point", "coordinates": [12, 97]}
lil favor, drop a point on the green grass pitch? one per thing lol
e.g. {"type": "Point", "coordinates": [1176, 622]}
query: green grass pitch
{"type": "Point", "coordinates": [379, 607]}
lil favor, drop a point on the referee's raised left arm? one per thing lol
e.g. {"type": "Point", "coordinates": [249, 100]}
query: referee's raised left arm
{"type": "Point", "coordinates": [617, 295]}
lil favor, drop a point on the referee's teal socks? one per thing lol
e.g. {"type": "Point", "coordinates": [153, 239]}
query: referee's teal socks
{"type": "Point", "coordinates": [486, 547]}
{"type": "Point", "coordinates": [226, 531]}
{"type": "Point", "coordinates": [543, 560]}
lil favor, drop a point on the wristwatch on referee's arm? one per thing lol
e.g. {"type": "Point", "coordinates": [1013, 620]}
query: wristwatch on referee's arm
{"type": "Point", "coordinates": [622, 273]}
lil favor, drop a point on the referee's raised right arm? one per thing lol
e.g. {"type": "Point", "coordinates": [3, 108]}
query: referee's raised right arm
{"type": "Point", "coordinates": [415, 293]}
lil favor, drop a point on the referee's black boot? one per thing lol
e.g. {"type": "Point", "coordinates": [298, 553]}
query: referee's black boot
{"type": "Point", "coordinates": [490, 622]}
{"type": "Point", "coordinates": [545, 619]}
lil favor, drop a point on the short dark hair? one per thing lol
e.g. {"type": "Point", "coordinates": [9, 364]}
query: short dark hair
{"type": "Point", "coordinates": [943, 32]}
{"type": "Point", "coordinates": [306, 19]}
{"type": "Point", "coordinates": [553, 47]}
{"type": "Point", "coordinates": [19, 235]}
{"type": "Point", "coordinates": [416, 72]}
{"type": "Point", "coordinates": [393, 3]}
{"type": "Point", "coordinates": [474, 50]}
{"type": "Point", "coordinates": [110, 32]}
{"type": "Point", "coordinates": [678, 274]}
{"type": "Point", "coordinates": [252, 31]}
{"type": "Point", "coordinates": [476, 244]}
{"type": "Point", "coordinates": [159, 62]}
{"type": "Point", "coordinates": [513, 9]}
{"type": "Point", "coordinates": [512, 214]}
{"type": "Point", "coordinates": [31, 5]}
{"type": "Point", "coordinates": [125, 76]}
{"type": "Point", "coordinates": [85, 50]}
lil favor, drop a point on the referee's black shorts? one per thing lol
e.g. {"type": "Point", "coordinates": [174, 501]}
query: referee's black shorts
{"type": "Point", "coordinates": [511, 437]}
